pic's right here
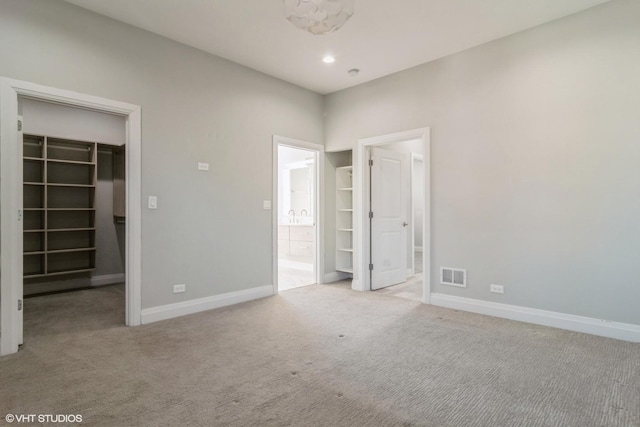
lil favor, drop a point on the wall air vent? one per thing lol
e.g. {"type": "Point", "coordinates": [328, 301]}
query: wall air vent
{"type": "Point", "coordinates": [453, 277]}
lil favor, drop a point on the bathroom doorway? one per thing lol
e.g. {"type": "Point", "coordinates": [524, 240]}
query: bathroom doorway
{"type": "Point", "coordinates": [296, 213]}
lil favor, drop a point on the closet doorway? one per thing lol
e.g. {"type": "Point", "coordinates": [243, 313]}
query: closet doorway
{"type": "Point", "coordinates": [74, 214]}
{"type": "Point", "coordinates": [297, 167]}
{"type": "Point", "coordinates": [56, 198]}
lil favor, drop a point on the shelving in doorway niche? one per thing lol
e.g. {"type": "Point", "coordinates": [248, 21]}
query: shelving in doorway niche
{"type": "Point", "coordinates": [344, 219]}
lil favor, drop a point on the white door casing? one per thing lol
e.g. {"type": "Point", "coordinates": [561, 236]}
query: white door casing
{"type": "Point", "coordinates": [20, 242]}
{"type": "Point", "coordinates": [389, 222]}
{"type": "Point", "coordinates": [11, 244]}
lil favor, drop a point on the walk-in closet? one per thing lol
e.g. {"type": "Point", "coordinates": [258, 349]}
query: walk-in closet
{"type": "Point", "coordinates": [74, 201]}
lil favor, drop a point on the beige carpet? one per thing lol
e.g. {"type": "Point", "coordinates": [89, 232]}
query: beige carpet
{"type": "Point", "coordinates": [320, 355]}
{"type": "Point", "coordinates": [411, 289]}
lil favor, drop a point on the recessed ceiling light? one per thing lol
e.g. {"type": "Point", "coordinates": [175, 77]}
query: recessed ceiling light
{"type": "Point", "coordinates": [328, 59]}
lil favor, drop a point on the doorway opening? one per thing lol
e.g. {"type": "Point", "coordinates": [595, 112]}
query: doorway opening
{"type": "Point", "coordinates": [296, 222]}
{"type": "Point", "coordinates": [43, 211]}
{"type": "Point", "coordinates": [392, 214]}
{"type": "Point", "coordinates": [417, 210]}
{"type": "Point", "coordinates": [74, 198]}
{"type": "Point", "coordinates": [296, 177]}
{"type": "Point", "coordinates": [396, 229]}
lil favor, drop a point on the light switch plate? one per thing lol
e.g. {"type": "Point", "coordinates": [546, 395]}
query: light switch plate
{"type": "Point", "coordinates": [203, 166]}
{"type": "Point", "coordinates": [153, 202]}
{"type": "Point", "coordinates": [266, 204]}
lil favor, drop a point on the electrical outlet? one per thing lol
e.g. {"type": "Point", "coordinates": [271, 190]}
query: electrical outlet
{"type": "Point", "coordinates": [496, 289]}
{"type": "Point", "coordinates": [179, 288]}
{"type": "Point", "coordinates": [266, 204]}
{"type": "Point", "coordinates": [203, 166]}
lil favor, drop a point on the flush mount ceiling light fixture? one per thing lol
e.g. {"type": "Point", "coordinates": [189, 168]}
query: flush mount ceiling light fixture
{"type": "Point", "coordinates": [318, 16]}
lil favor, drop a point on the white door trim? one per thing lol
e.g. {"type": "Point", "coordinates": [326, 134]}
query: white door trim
{"type": "Point", "coordinates": [10, 228]}
{"type": "Point", "coordinates": [420, 158]}
{"type": "Point", "coordinates": [361, 281]}
{"type": "Point", "coordinates": [317, 209]}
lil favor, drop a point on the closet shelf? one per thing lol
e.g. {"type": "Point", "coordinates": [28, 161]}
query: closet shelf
{"type": "Point", "coordinates": [34, 183]}
{"type": "Point", "coordinates": [39, 230]}
{"type": "Point", "coordinates": [70, 162]}
{"type": "Point", "coordinates": [59, 184]}
{"type": "Point", "coordinates": [68, 209]}
{"type": "Point", "coordinates": [344, 219]}
{"type": "Point", "coordinates": [55, 230]}
{"type": "Point", "coordinates": [34, 253]}
{"type": "Point", "coordinates": [64, 251]}
{"type": "Point", "coordinates": [34, 159]}
{"type": "Point", "coordinates": [33, 276]}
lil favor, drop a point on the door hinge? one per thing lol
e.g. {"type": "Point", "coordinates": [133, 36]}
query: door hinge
{"type": "Point", "coordinates": [370, 162]}
{"type": "Point", "coordinates": [19, 125]}
{"type": "Point", "coordinates": [19, 304]}
{"type": "Point", "coordinates": [370, 267]}
{"type": "Point", "coordinates": [370, 215]}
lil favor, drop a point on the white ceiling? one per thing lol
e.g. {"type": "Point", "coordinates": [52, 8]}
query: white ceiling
{"type": "Point", "coordinates": [381, 38]}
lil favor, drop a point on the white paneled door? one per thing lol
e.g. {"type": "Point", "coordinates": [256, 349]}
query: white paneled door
{"type": "Point", "coordinates": [389, 222]}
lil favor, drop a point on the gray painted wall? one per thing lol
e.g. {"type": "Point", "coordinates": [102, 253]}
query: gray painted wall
{"type": "Point", "coordinates": [535, 154]}
{"type": "Point", "coordinates": [195, 108]}
{"type": "Point", "coordinates": [110, 236]}
{"type": "Point", "coordinates": [45, 118]}
{"type": "Point", "coordinates": [534, 144]}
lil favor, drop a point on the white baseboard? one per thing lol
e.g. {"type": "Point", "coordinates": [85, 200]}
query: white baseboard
{"type": "Point", "coordinates": [588, 325]}
{"type": "Point", "coordinates": [107, 279]}
{"type": "Point", "coordinates": [417, 248]}
{"type": "Point", "coordinates": [356, 285]}
{"type": "Point", "coordinates": [335, 276]}
{"type": "Point", "coordinates": [178, 309]}
{"type": "Point", "coordinates": [62, 284]}
{"type": "Point", "coordinates": [410, 272]}
{"type": "Point", "coordinates": [59, 285]}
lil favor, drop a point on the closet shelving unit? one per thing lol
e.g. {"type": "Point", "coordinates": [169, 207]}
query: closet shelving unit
{"type": "Point", "coordinates": [344, 219]}
{"type": "Point", "coordinates": [59, 178]}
